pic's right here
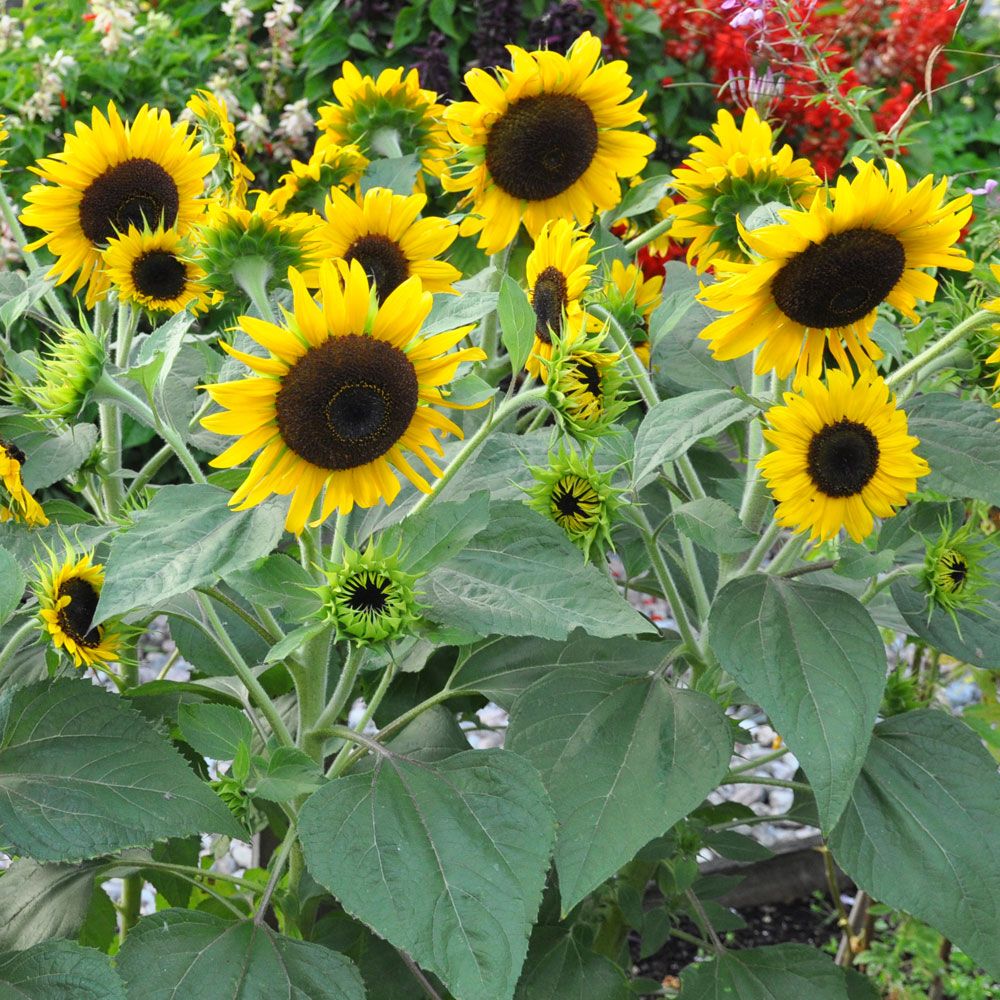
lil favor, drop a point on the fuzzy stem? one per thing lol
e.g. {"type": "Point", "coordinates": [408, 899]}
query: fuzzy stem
{"type": "Point", "coordinates": [340, 760]}
{"type": "Point", "coordinates": [278, 867]}
{"type": "Point", "coordinates": [342, 692]}
{"type": "Point", "coordinates": [643, 239]}
{"type": "Point", "coordinates": [939, 347]}
{"type": "Point", "coordinates": [15, 642]}
{"type": "Point", "coordinates": [252, 275]}
{"type": "Point", "coordinates": [491, 323]}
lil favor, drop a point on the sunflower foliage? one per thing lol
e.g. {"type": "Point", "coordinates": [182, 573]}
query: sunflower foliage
{"type": "Point", "coordinates": [381, 498]}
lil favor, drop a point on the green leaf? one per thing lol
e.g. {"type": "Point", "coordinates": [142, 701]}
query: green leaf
{"type": "Point", "coordinates": [294, 641]}
{"type": "Point", "coordinates": [502, 668]}
{"type": "Point", "coordinates": [17, 305]}
{"type": "Point", "coordinates": [521, 576]}
{"type": "Point", "coordinates": [857, 563]}
{"type": "Point", "coordinates": [517, 322]}
{"type": "Point", "coordinates": [287, 773]}
{"type": "Point", "coordinates": [446, 861]}
{"type": "Point", "coordinates": [644, 197]}
{"type": "Point", "coordinates": [83, 774]}
{"type": "Point", "coordinates": [958, 437]}
{"type": "Point", "coordinates": [59, 970]}
{"type": "Point", "coordinates": [623, 760]}
{"type": "Point", "coordinates": [188, 537]}
{"type": "Point", "coordinates": [781, 972]}
{"type": "Point", "coordinates": [203, 957]}
{"type": "Point", "coordinates": [452, 311]}
{"type": "Point", "coordinates": [158, 352]}
{"type": "Point", "coordinates": [919, 831]}
{"type": "Point", "coordinates": [397, 173]}
{"type": "Point", "coordinates": [713, 525]}
{"type": "Point", "coordinates": [39, 902]}
{"type": "Point", "coordinates": [673, 425]}
{"type": "Point", "coordinates": [813, 659]}
{"type": "Point", "coordinates": [277, 581]}
{"type": "Point", "coordinates": [215, 731]}
{"type": "Point", "coordinates": [559, 967]}
{"type": "Point", "coordinates": [12, 584]}
{"type": "Point", "coordinates": [471, 391]}
{"type": "Point", "coordinates": [59, 456]}
{"type": "Point", "coordinates": [437, 533]}
{"type": "Point", "coordinates": [737, 846]}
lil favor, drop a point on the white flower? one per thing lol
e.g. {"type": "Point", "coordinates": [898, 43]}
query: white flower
{"type": "Point", "coordinates": [296, 122]}
{"type": "Point", "coordinates": [239, 13]}
{"type": "Point", "coordinates": [255, 128]}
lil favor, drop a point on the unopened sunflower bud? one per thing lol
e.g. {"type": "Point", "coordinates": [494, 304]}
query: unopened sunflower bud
{"type": "Point", "coordinates": [953, 575]}
{"type": "Point", "coordinates": [67, 372]}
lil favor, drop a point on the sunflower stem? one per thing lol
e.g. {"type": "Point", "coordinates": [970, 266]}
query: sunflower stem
{"type": "Point", "coordinates": [340, 761]}
{"type": "Point", "coordinates": [643, 239]}
{"type": "Point", "coordinates": [109, 421]}
{"type": "Point", "coordinates": [310, 686]}
{"type": "Point", "coordinates": [131, 903]}
{"type": "Point", "coordinates": [877, 584]}
{"type": "Point", "coordinates": [636, 369]}
{"type": "Point", "coordinates": [252, 274]}
{"type": "Point", "coordinates": [339, 538]}
{"type": "Point", "coordinates": [15, 642]}
{"type": "Point", "coordinates": [754, 501]}
{"type": "Point", "coordinates": [468, 449]}
{"type": "Point", "coordinates": [914, 365]}
{"type": "Point", "coordinates": [341, 693]}
{"type": "Point", "coordinates": [793, 549]}
{"type": "Point", "coordinates": [491, 324]}
{"type": "Point", "coordinates": [764, 545]}
{"type": "Point", "coordinates": [278, 863]}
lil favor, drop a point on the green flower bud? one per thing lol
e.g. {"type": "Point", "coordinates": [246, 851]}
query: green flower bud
{"type": "Point", "coordinates": [953, 575]}
{"type": "Point", "coordinates": [67, 373]}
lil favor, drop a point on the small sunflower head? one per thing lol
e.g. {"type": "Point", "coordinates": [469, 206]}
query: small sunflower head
{"type": "Point", "coordinates": [16, 503]}
{"type": "Point", "coordinates": [369, 598]}
{"type": "Point", "coordinates": [4, 136]}
{"type": "Point", "coordinates": [630, 297]}
{"type": "Point", "coordinates": [953, 575]}
{"type": "Point", "coordinates": [231, 174]}
{"type": "Point", "coordinates": [306, 186]}
{"type": "Point", "coordinates": [67, 372]}
{"type": "Point", "coordinates": [584, 386]}
{"type": "Point", "coordinates": [577, 497]}
{"type": "Point", "coordinates": [68, 590]}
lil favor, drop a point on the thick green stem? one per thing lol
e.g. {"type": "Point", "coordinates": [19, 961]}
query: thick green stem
{"type": "Point", "coordinates": [793, 549]}
{"type": "Point", "coordinates": [491, 323]}
{"type": "Point", "coordinates": [277, 868]}
{"type": "Point", "coordinates": [759, 552]}
{"type": "Point", "coordinates": [310, 686]}
{"type": "Point", "coordinates": [342, 692]}
{"type": "Point", "coordinates": [734, 778]}
{"type": "Point", "coordinates": [643, 239]}
{"type": "Point", "coordinates": [750, 765]}
{"type": "Point", "coordinates": [754, 501]}
{"type": "Point", "coordinates": [878, 584]}
{"type": "Point", "coordinates": [939, 347]}
{"type": "Point", "coordinates": [340, 761]}
{"type": "Point", "coordinates": [252, 275]}
{"type": "Point", "coordinates": [240, 612]}
{"type": "Point", "coordinates": [636, 369]}
{"type": "Point", "coordinates": [16, 641]}
{"type": "Point", "coordinates": [339, 538]}
{"type": "Point", "coordinates": [131, 884]}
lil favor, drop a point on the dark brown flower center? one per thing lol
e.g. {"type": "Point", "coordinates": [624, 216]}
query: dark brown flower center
{"type": "Point", "coordinates": [842, 458]}
{"type": "Point", "coordinates": [159, 274]}
{"type": "Point", "coordinates": [367, 594]}
{"type": "Point", "coordinates": [383, 260]}
{"type": "Point", "coordinates": [549, 301]}
{"type": "Point", "coordinates": [14, 452]}
{"type": "Point", "coordinates": [347, 402]}
{"type": "Point", "coordinates": [76, 617]}
{"type": "Point", "coordinates": [137, 192]}
{"type": "Point", "coordinates": [841, 280]}
{"type": "Point", "coordinates": [541, 146]}
{"type": "Point", "coordinates": [956, 570]}
{"type": "Point", "coordinates": [590, 376]}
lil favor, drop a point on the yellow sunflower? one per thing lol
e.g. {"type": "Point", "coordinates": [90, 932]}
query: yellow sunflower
{"type": "Point", "coordinates": [68, 593]}
{"type": "Point", "coordinates": [994, 306]}
{"type": "Point", "coordinates": [819, 277]}
{"type": "Point", "coordinates": [545, 140]}
{"type": "Point", "coordinates": [391, 115]}
{"type": "Point", "coordinates": [152, 270]}
{"type": "Point", "coordinates": [109, 176]}
{"type": "Point", "coordinates": [4, 136]}
{"type": "Point", "coordinates": [584, 385]}
{"type": "Point", "coordinates": [558, 272]}
{"type": "Point", "coordinates": [213, 116]}
{"type": "Point", "coordinates": [727, 178]}
{"type": "Point", "coordinates": [382, 232]}
{"type": "Point", "coordinates": [348, 385]}
{"type": "Point", "coordinates": [20, 504]}
{"type": "Point", "coordinates": [305, 187]}
{"type": "Point", "coordinates": [631, 298]}
{"type": "Point", "coordinates": [842, 454]}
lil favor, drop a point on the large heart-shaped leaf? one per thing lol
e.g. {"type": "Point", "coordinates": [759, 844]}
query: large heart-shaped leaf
{"type": "Point", "coordinates": [58, 970]}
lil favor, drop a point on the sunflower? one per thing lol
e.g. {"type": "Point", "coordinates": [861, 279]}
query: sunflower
{"type": "Point", "coordinates": [213, 117]}
{"type": "Point", "coordinates": [152, 270]}
{"type": "Point", "coordinates": [305, 187]}
{"type": "Point", "coordinates": [67, 373]}
{"type": "Point", "coordinates": [545, 140]}
{"type": "Point", "coordinates": [348, 386]}
{"type": "Point", "coordinates": [4, 136]}
{"type": "Point", "coordinates": [558, 272]}
{"type": "Point", "coordinates": [584, 385]}
{"type": "Point", "coordinates": [382, 232]}
{"type": "Point", "coordinates": [727, 178]}
{"type": "Point", "coordinates": [68, 594]}
{"type": "Point", "coordinates": [108, 177]}
{"type": "Point", "coordinates": [20, 504]}
{"type": "Point", "coordinates": [631, 298]}
{"type": "Point", "coordinates": [820, 277]}
{"type": "Point", "coordinates": [994, 306]}
{"type": "Point", "coordinates": [388, 116]}
{"type": "Point", "coordinates": [842, 455]}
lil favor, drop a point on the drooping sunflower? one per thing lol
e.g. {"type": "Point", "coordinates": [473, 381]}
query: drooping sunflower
{"type": "Point", "coordinates": [390, 115]}
{"type": "Point", "coordinates": [558, 272]}
{"type": "Point", "coordinates": [631, 298]}
{"type": "Point", "coordinates": [68, 593]}
{"type": "Point", "coordinates": [348, 386]}
{"type": "Point", "coordinates": [727, 178]}
{"type": "Point", "coordinates": [305, 187]}
{"type": "Point", "coordinates": [212, 115]}
{"type": "Point", "coordinates": [819, 278]}
{"type": "Point", "coordinates": [19, 504]}
{"type": "Point", "coordinates": [382, 232]}
{"type": "Point", "coordinates": [109, 176]}
{"type": "Point", "coordinates": [153, 270]}
{"type": "Point", "coordinates": [584, 386]}
{"type": "Point", "coordinates": [842, 454]}
{"type": "Point", "coordinates": [545, 140]}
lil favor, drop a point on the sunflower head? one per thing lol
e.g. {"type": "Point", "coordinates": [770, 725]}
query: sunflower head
{"type": "Point", "coordinates": [110, 176]}
{"type": "Point", "coordinates": [67, 372]}
{"type": "Point", "coordinates": [816, 280]}
{"type": "Point", "coordinates": [954, 575]}
{"type": "Point", "coordinates": [389, 115]}
{"type": "Point", "coordinates": [68, 590]}
{"type": "Point", "coordinates": [631, 297]}
{"type": "Point", "coordinates": [842, 454]}
{"type": "Point", "coordinates": [219, 134]}
{"type": "Point", "coordinates": [155, 271]}
{"type": "Point", "coordinates": [577, 497]}
{"type": "Point", "coordinates": [17, 503]}
{"type": "Point", "coordinates": [727, 178]}
{"type": "Point", "coordinates": [4, 136]}
{"type": "Point", "coordinates": [243, 251]}
{"type": "Point", "coordinates": [584, 386]}
{"type": "Point", "coordinates": [348, 388]}
{"type": "Point", "coordinates": [306, 186]}
{"type": "Point", "coordinates": [369, 598]}
{"type": "Point", "coordinates": [994, 306]}
{"type": "Point", "coordinates": [381, 231]}
{"type": "Point", "coordinates": [544, 140]}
